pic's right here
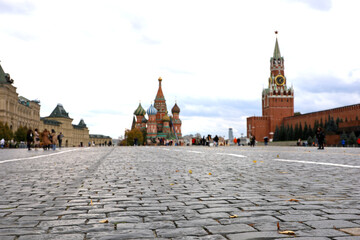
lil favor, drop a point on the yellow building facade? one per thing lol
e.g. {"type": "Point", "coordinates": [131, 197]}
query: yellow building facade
{"type": "Point", "coordinates": [16, 111]}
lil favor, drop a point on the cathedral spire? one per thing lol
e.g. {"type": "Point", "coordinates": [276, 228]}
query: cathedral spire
{"type": "Point", "coordinates": [160, 95]}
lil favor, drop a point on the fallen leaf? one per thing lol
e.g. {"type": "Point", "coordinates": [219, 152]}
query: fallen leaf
{"type": "Point", "coordinates": [251, 224]}
{"type": "Point", "coordinates": [261, 161]}
{"type": "Point", "coordinates": [91, 202]}
{"type": "Point", "coordinates": [277, 156]}
{"type": "Point", "coordinates": [171, 184]}
{"type": "Point", "coordinates": [104, 221]}
{"type": "Point", "coordinates": [177, 171]}
{"type": "Point", "coordinates": [210, 173]}
{"type": "Point", "coordinates": [234, 216]}
{"type": "Point", "coordinates": [254, 161]}
{"type": "Point", "coordinates": [278, 226]}
{"type": "Point", "coordinates": [190, 171]}
{"type": "Point", "coordinates": [293, 200]}
{"type": "Point", "coordinates": [287, 232]}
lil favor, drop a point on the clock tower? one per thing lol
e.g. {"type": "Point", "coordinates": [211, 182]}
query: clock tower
{"type": "Point", "coordinates": [278, 98]}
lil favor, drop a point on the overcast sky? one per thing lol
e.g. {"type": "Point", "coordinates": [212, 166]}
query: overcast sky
{"type": "Point", "coordinates": [100, 58]}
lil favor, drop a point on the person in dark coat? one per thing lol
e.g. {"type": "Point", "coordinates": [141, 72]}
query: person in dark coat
{"type": "Point", "coordinates": [320, 135]}
{"type": "Point", "coordinates": [216, 140]}
{"type": "Point", "coordinates": [29, 138]}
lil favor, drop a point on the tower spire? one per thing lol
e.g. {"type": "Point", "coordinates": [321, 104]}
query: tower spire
{"type": "Point", "coordinates": [276, 54]}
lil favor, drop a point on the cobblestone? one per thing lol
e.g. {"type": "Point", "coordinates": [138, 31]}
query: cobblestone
{"type": "Point", "coordinates": [148, 192]}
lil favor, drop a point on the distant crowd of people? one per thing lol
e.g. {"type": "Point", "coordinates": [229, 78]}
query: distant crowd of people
{"type": "Point", "coordinates": [45, 139]}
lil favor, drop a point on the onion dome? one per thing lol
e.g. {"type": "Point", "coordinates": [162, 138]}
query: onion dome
{"type": "Point", "coordinates": [166, 118]}
{"type": "Point", "coordinates": [144, 120]}
{"type": "Point", "coordinates": [151, 110]}
{"type": "Point", "coordinates": [139, 111]}
{"type": "Point", "coordinates": [175, 109]}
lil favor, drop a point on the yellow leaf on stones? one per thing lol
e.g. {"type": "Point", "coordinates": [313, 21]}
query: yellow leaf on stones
{"type": "Point", "coordinates": [261, 161]}
{"type": "Point", "coordinates": [277, 156]}
{"type": "Point", "coordinates": [234, 216]}
{"type": "Point", "coordinates": [91, 202]}
{"type": "Point", "coordinates": [210, 173]}
{"type": "Point", "coordinates": [177, 171]}
{"type": "Point", "coordinates": [104, 221]}
{"type": "Point", "coordinates": [190, 171]}
{"type": "Point", "coordinates": [171, 184]}
{"type": "Point", "coordinates": [287, 232]}
{"type": "Point", "coordinates": [254, 161]}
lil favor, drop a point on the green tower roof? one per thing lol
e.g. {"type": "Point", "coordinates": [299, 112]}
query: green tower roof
{"type": "Point", "coordinates": [139, 111]}
{"type": "Point", "coordinates": [276, 54]}
{"type": "Point", "coordinates": [59, 111]}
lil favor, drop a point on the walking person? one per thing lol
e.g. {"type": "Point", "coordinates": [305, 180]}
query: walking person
{"type": "Point", "coordinates": [29, 138]}
{"type": "Point", "coordinates": [2, 143]}
{"type": "Point", "coordinates": [320, 135]}
{"type": "Point", "coordinates": [253, 139]}
{"type": "Point", "coordinates": [45, 135]}
{"type": "Point", "coordinates": [60, 137]}
{"type": "Point", "coordinates": [216, 140]}
{"type": "Point", "coordinates": [36, 139]}
{"type": "Point", "coordinates": [53, 139]}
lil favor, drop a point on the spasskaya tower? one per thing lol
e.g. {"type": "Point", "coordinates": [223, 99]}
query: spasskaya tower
{"type": "Point", "coordinates": [277, 100]}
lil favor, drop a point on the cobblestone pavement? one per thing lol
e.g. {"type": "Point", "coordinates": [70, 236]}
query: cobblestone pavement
{"type": "Point", "coordinates": [180, 193]}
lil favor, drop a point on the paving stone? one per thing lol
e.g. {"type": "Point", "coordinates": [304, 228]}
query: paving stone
{"type": "Point", "coordinates": [170, 233]}
{"type": "Point", "coordinates": [331, 223]}
{"type": "Point", "coordinates": [53, 237]}
{"type": "Point", "coordinates": [300, 218]}
{"type": "Point", "coordinates": [132, 185]}
{"type": "Point", "coordinates": [228, 229]}
{"type": "Point", "coordinates": [256, 235]}
{"type": "Point", "coordinates": [123, 234]}
{"type": "Point", "coordinates": [320, 233]}
{"type": "Point", "coordinates": [196, 223]}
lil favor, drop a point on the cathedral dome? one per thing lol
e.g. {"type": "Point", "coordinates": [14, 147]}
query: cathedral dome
{"type": "Point", "coordinates": [151, 110]}
{"type": "Point", "coordinates": [175, 109]}
{"type": "Point", "coordinates": [139, 111]}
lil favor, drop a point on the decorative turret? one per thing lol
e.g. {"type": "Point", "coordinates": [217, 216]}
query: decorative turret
{"type": "Point", "coordinates": [175, 109]}
{"type": "Point", "coordinates": [151, 124]}
{"type": "Point", "coordinates": [139, 111]}
{"type": "Point", "coordinates": [151, 111]}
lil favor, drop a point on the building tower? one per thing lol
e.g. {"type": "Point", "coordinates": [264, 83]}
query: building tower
{"type": "Point", "coordinates": [151, 124]}
{"type": "Point", "coordinates": [166, 126]}
{"type": "Point", "coordinates": [277, 99]}
{"type": "Point", "coordinates": [160, 105]}
{"type": "Point", "coordinates": [139, 113]}
{"type": "Point", "coordinates": [176, 122]}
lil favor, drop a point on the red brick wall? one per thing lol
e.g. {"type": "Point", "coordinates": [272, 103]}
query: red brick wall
{"type": "Point", "coordinates": [259, 127]}
{"type": "Point", "coordinates": [349, 112]}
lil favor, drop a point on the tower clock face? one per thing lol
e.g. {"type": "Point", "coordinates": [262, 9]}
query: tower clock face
{"type": "Point", "coordinates": [280, 80]}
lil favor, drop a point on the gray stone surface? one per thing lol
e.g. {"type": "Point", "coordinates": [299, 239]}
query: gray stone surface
{"type": "Point", "coordinates": [148, 192]}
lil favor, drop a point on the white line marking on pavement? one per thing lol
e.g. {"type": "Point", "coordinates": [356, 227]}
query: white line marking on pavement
{"type": "Point", "coordinates": [39, 156]}
{"type": "Point", "coordinates": [195, 152]}
{"type": "Point", "coordinates": [231, 154]}
{"type": "Point", "coordinates": [319, 163]}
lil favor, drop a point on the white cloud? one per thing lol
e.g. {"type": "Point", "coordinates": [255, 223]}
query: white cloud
{"type": "Point", "coordinates": [93, 55]}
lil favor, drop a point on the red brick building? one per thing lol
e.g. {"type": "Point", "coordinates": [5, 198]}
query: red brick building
{"type": "Point", "coordinates": [278, 108]}
{"type": "Point", "coordinates": [277, 101]}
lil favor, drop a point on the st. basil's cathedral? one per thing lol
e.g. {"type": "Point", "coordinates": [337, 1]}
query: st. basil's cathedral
{"type": "Point", "coordinates": [159, 125]}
